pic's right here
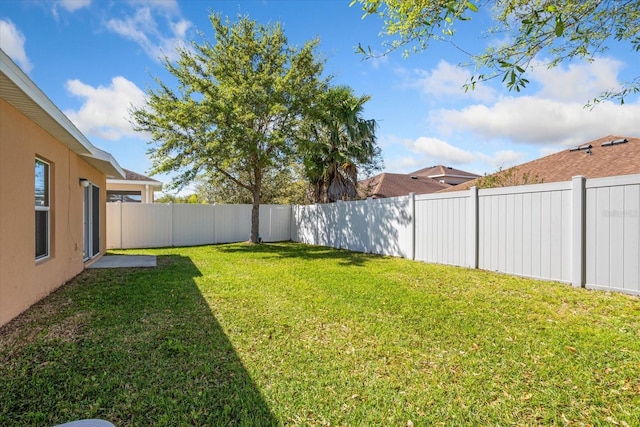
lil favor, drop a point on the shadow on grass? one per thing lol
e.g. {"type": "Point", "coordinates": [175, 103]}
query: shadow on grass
{"type": "Point", "coordinates": [299, 250]}
{"type": "Point", "coordinates": [132, 346]}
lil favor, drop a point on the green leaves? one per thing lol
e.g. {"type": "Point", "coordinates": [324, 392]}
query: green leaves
{"type": "Point", "coordinates": [558, 31]}
{"type": "Point", "coordinates": [236, 108]}
{"type": "Point", "coordinates": [337, 144]}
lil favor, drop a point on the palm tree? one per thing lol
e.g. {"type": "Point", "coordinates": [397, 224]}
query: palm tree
{"type": "Point", "coordinates": [338, 144]}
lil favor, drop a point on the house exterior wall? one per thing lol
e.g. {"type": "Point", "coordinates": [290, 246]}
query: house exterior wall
{"type": "Point", "coordinates": [23, 280]}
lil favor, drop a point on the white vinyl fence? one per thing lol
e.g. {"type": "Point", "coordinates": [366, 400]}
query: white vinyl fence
{"type": "Point", "coordinates": [141, 225]}
{"type": "Point", "coordinates": [583, 232]}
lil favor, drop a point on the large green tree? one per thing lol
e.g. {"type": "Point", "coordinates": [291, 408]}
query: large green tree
{"type": "Point", "coordinates": [339, 144]}
{"type": "Point", "coordinates": [236, 107]}
{"type": "Point", "coordinates": [285, 186]}
{"type": "Point", "coordinates": [555, 31]}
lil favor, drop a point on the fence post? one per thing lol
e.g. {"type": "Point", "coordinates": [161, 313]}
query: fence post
{"type": "Point", "coordinates": [578, 240]}
{"type": "Point", "coordinates": [171, 225]}
{"type": "Point", "coordinates": [472, 229]}
{"type": "Point", "coordinates": [412, 211]}
{"type": "Point", "coordinates": [120, 225]}
{"type": "Point", "coordinates": [368, 225]}
{"type": "Point", "coordinates": [341, 222]}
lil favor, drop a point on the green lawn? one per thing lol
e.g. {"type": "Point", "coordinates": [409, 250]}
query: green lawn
{"type": "Point", "coordinates": [288, 334]}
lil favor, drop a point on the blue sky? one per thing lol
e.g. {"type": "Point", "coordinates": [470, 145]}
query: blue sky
{"type": "Point", "coordinates": [94, 58]}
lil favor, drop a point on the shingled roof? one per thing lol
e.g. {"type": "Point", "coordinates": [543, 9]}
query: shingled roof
{"type": "Point", "coordinates": [611, 155]}
{"type": "Point", "coordinates": [396, 184]}
{"type": "Point", "coordinates": [135, 176]}
{"type": "Point", "coordinates": [446, 173]}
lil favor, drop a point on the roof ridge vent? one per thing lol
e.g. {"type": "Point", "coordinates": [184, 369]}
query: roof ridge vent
{"type": "Point", "coordinates": [587, 147]}
{"type": "Point", "coordinates": [615, 142]}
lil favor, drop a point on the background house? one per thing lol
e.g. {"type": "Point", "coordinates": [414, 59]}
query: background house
{"type": "Point", "coordinates": [52, 194]}
{"type": "Point", "coordinates": [135, 188]}
{"type": "Point", "coordinates": [423, 181]}
{"type": "Point", "coordinates": [611, 155]}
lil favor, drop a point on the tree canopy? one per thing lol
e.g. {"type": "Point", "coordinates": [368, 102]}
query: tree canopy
{"type": "Point", "coordinates": [555, 31]}
{"type": "Point", "coordinates": [284, 186]}
{"type": "Point", "coordinates": [340, 143]}
{"type": "Point", "coordinates": [236, 109]}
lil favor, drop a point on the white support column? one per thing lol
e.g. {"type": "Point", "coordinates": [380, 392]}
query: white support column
{"type": "Point", "coordinates": [578, 241]}
{"type": "Point", "coordinates": [472, 229]}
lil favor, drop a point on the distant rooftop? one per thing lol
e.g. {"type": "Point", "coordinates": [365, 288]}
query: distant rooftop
{"type": "Point", "coordinates": [611, 155]}
{"type": "Point", "coordinates": [135, 176]}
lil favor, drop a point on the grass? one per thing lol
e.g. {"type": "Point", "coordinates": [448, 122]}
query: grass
{"type": "Point", "coordinates": [288, 334]}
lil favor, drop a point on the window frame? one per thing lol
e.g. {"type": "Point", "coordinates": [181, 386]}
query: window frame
{"type": "Point", "coordinates": [45, 206]}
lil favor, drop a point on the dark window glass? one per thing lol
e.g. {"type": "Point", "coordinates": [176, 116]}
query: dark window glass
{"type": "Point", "coordinates": [41, 190]}
{"type": "Point", "coordinates": [124, 196]}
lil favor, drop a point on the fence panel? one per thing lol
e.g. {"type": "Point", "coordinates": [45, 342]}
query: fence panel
{"type": "Point", "coordinates": [526, 230]}
{"type": "Point", "coordinates": [441, 228]}
{"type": "Point", "coordinates": [355, 235]}
{"type": "Point", "coordinates": [275, 223]}
{"type": "Point", "coordinates": [233, 223]}
{"type": "Point", "coordinates": [613, 234]}
{"type": "Point", "coordinates": [327, 225]}
{"type": "Point", "coordinates": [391, 225]}
{"type": "Point", "coordinates": [146, 225]}
{"type": "Point", "coordinates": [305, 228]}
{"type": "Point", "coordinates": [193, 224]}
{"type": "Point", "coordinates": [114, 226]}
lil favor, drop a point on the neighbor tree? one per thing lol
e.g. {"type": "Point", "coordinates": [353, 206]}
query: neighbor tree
{"type": "Point", "coordinates": [554, 31]}
{"type": "Point", "coordinates": [509, 177]}
{"type": "Point", "coordinates": [339, 144]}
{"type": "Point", "coordinates": [236, 108]}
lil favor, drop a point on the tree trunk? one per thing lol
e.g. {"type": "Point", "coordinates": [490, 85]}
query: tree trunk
{"type": "Point", "coordinates": [255, 210]}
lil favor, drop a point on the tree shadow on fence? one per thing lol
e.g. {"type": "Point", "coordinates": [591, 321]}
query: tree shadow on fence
{"type": "Point", "coordinates": [381, 226]}
{"type": "Point", "coordinates": [132, 346]}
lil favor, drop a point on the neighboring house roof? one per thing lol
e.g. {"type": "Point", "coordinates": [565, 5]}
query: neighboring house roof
{"type": "Point", "coordinates": [132, 177]}
{"type": "Point", "coordinates": [22, 93]}
{"type": "Point", "coordinates": [395, 184]}
{"type": "Point", "coordinates": [611, 155]}
{"type": "Point", "coordinates": [442, 173]}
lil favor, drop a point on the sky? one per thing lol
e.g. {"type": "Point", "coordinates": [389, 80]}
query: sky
{"type": "Point", "coordinates": [96, 58]}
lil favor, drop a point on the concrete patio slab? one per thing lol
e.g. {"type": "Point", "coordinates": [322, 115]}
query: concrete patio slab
{"type": "Point", "coordinates": [125, 261]}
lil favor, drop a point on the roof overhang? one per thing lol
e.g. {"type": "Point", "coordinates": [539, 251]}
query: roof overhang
{"type": "Point", "coordinates": [135, 182]}
{"type": "Point", "coordinates": [22, 93]}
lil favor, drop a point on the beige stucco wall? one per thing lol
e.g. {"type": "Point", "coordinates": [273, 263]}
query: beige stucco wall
{"type": "Point", "coordinates": [23, 281]}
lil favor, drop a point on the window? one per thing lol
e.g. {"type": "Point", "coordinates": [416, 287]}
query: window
{"type": "Point", "coordinates": [124, 196]}
{"type": "Point", "coordinates": [42, 205]}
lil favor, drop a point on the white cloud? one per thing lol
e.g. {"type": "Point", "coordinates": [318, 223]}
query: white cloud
{"type": "Point", "coordinates": [555, 115]}
{"type": "Point", "coordinates": [403, 164]}
{"type": "Point", "coordinates": [73, 5]}
{"type": "Point", "coordinates": [104, 112]}
{"type": "Point", "coordinates": [503, 159]}
{"type": "Point", "coordinates": [576, 82]}
{"type": "Point", "coordinates": [143, 29]}
{"type": "Point", "coordinates": [440, 151]}
{"type": "Point", "coordinates": [541, 121]}
{"type": "Point", "coordinates": [12, 42]}
{"type": "Point", "coordinates": [447, 80]}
